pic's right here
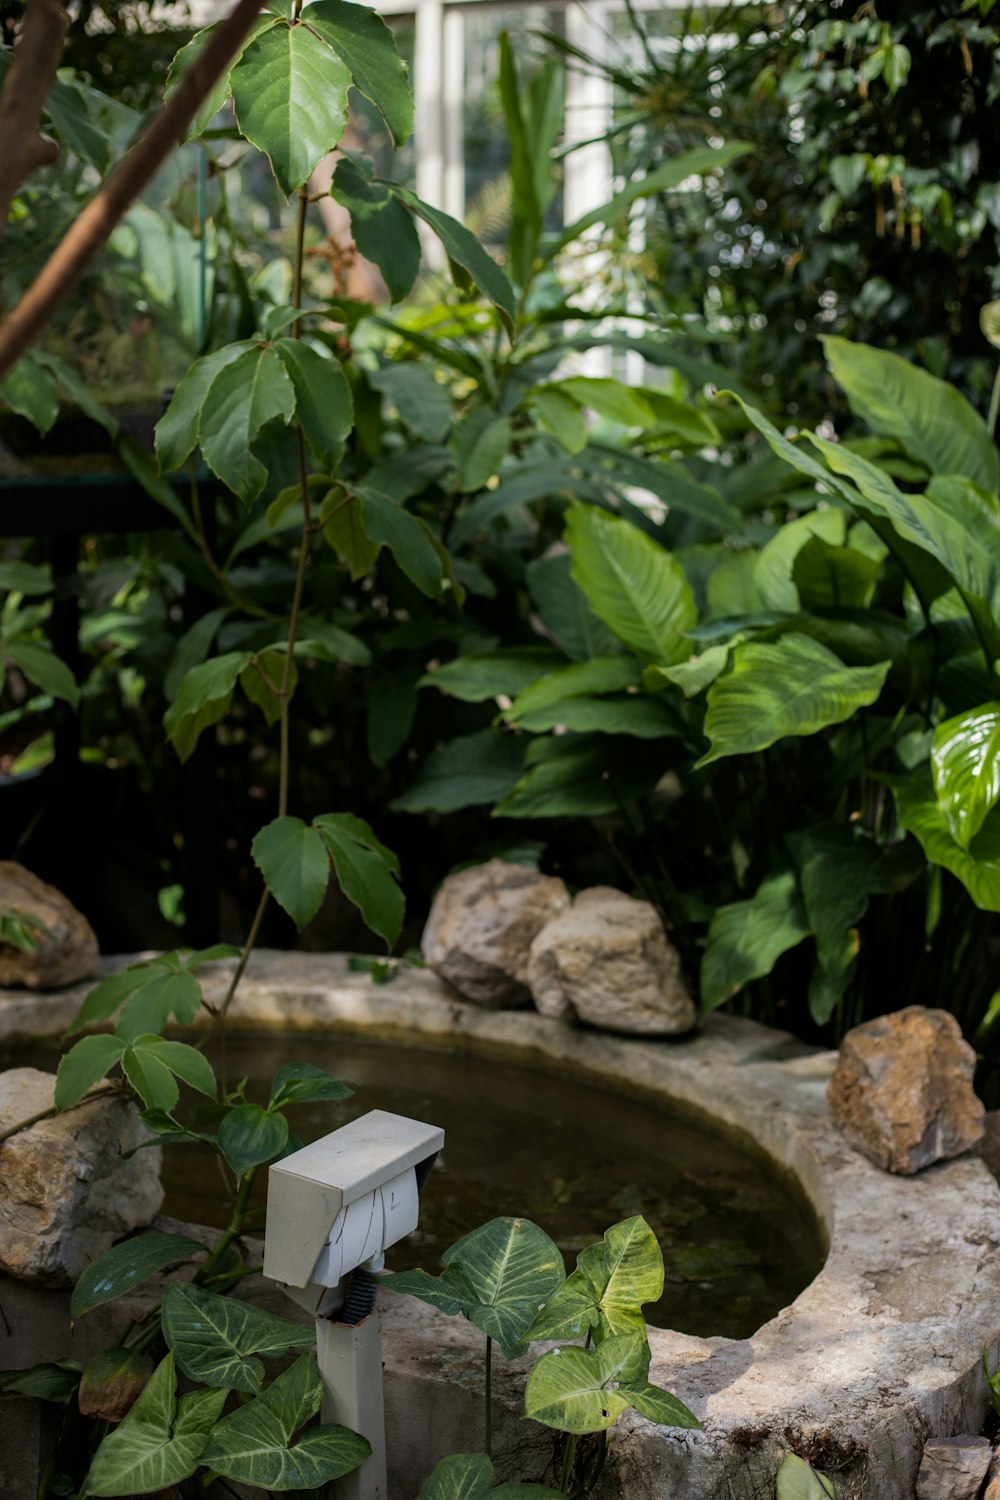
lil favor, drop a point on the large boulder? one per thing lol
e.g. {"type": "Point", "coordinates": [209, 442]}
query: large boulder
{"type": "Point", "coordinates": [902, 1090]}
{"type": "Point", "coordinates": [67, 1190]}
{"type": "Point", "coordinates": [481, 926]}
{"type": "Point", "coordinates": [66, 949]}
{"type": "Point", "coordinates": [607, 961]}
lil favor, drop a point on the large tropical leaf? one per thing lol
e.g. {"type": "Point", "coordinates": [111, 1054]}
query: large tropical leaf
{"type": "Point", "coordinates": [217, 1340]}
{"type": "Point", "coordinates": [564, 610]}
{"type": "Point", "coordinates": [469, 1476]}
{"type": "Point", "coordinates": [484, 675]}
{"type": "Point", "coordinates": [774, 568]}
{"type": "Point", "coordinates": [789, 686]}
{"type": "Point", "coordinates": [746, 939]}
{"type": "Point", "coordinates": [290, 95]}
{"type": "Point", "coordinates": [159, 1443]}
{"type": "Point", "coordinates": [631, 583]}
{"type": "Point", "coordinates": [581, 775]}
{"type": "Point", "coordinates": [978, 866]}
{"type": "Point", "coordinates": [586, 679]}
{"type": "Point", "coordinates": [929, 418]}
{"type": "Point", "coordinates": [255, 1444]}
{"type": "Point", "coordinates": [797, 1481]}
{"type": "Point", "coordinates": [574, 1390]}
{"type": "Point", "coordinates": [470, 771]}
{"type": "Point", "coordinates": [965, 760]}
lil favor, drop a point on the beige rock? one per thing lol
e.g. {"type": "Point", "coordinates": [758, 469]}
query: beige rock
{"type": "Point", "coordinates": [953, 1468]}
{"type": "Point", "coordinates": [902, 1090]}
{"type": "Point", "coordinates": [481, 926]}
{"type": "Point", "coordinates": [608, 962]}
{"type": "Point", "coordinates": [68, 955]}
{"type": "Point", "coordinates": [67, 1191]}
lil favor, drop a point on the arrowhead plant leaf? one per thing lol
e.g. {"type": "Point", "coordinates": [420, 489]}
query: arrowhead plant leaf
{"type": "Point", "coordinates": [217, 1340]}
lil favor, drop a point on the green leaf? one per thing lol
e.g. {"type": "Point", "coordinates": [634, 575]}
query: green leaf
{"type": "Point", "coordinates": [47, 1382]}
{"type": "Point", "coordinates": [470, 771]}
{"type": "Point", "coordinates": [485, 675]}
{"type": "Point", "coordinates": [382, 229]}
{"type": "Point", "coordinates": [669, 479]}
{"type": "Point", "coordinates": [31, 392]}
{"type": "Point", "coordinates": [340, 517]}
{"type": "Point", "coordinates": [262, 680]}
{"type": "Point", "coordinates": [124, 1266]}
{"type": "Point", "coordinates": [977, 867]}
{"type": "Point", "coordinates": [290, 96]}
{"type": "Point", "coordinates": [177, 429]}
{"type": "Point", "coordinates": [160, 995]}
{"type": "Point", "coordinates": [642, 718]}
{"type": "Point", "coordinates": [215, 1339]}
{"type": "Point", "coordinates": [506, 1269]}
{"type": "Point", "coordinates": [204, 698]}
{"type": "Point", "coordinates": [469, 1476]}
{"type": "Point", "coordinates": [303, 1083]}
{"type": "Point", "coordinates": [422, 401]}
{"type": "Point", "coordinates": [254, 1444]}
{"type": "Point", "coordinates": [159, 1443]}
{"type": "Point", "coordinates": [366, 44]}
{"type": "Point", "coordinates": [150, 1056]}
{"type": "Point", "coordinates": [564, 610]}
{"type": "Point", "coordinates": [295, 866]}
{"type": "Point", "coordinates": [323, 401]}
{"type": "Point", "coordinates": [366, 872]}
{"type": "Point", "coordinates": [797, 1481]}
{"type": "Point", "coordinates": [250, 1136]}
{"type": "Point", "coordinates": [83, 1066]}
{"type": "Point", "coordinates": [105, 998]}
{"type": "Point", "coordinates": [407, 537]}
{"type": "Point", "coordinates": [561, 416]}
{"type": "Point", "coordinates": [480, 443]}
{"type": "Point", "coordinates": [18, 577]}
{"type": "Point", "coordinates": [929, 418]}
{"type": "Point", "coordinates": [42, 667]}
{"type": "Point", "coordinates": [581, 776]}
{"type": "Point", "coordinates": [465, 251]}
{"type": "Point", "coordinates": [694, 675]}
{"type": "Point", "coordinates": [68, 107]}
{"type": "Point", "coordinates": [746, 939]}
{"type": "Point", "coordinates": [220, 91]}
{"type": "Point", "coordinates": [604, 674]}
{"type": "Point", "coordinates": [245, 395]}
{"type": "Point", "coordinates": [447, 1292]}
{"type": "Point", "coordinates": [613, 1281]}
{"type": "Point", "coordinates": [669, 174]}
{"type": "Point", "coordinates": [151, 1078]}
{"type": "Point", "coordinates": [965, 761]}
{"type": "Point", "coordinates": [774, 571]}
{"type": "Point", "coordinates": [660, 1406]}
{"type": "Point", "coordinates": [631, 583]}
{"type": "Point", "coordinates": [791, 686]}
{"type": "Point", "coordinates": [570, 1389]}
{"type": "Point", "coordinates": [829, 577]}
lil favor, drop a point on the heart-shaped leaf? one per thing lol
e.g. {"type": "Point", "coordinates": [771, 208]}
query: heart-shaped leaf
{"type": "Point", "coordinates": [571, 1388]}
{"type": "Point", "coordinates": [250, 1136]}
{"type": "Point", "coordinates": [216, 1339]}
{"type": "Point", "coordinates": [111, 1383]}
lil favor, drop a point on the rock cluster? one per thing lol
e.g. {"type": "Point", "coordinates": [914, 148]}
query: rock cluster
{"type": "Point", "coordinates": [504, 935]}
{"type": "Point", "coordinates": [67, 1190]}
{"type": "Point", "coordinates": [67, 948]}
{"type": "Point", "coordinates": [902, 1090]}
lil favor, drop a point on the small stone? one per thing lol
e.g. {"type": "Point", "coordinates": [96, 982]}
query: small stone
{"type": "Point", "coordinates": [67, 948]}
{"type": "Point", "coordinates": [481, 927]}
{"type": "Point", "coordinates": [607, 961]}
{"type": "Point", "coordinates": [67, 1191]}
{"type": "Point", "coordinates": [902, 1090]}
{"type": "Point", "coordinates": [953, 1468]}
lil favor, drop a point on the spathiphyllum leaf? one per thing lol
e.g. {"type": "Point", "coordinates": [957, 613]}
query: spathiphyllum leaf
{"type": "Point", "coordinates": [746, 939]}
{"type": "Point", "coordinates": [290, 95]}
{"type": "Point", "coordinates": [243, 397]}
{"type": "Point", "coordinates": [965, 760]}
{"type": "Point", "coordinates": [635, 586]}
{"type": "Point", "coordinates": [790, 686]}
{"type": "Point", "coordinates": [978, 866]}
{"type": "Point", "coordinates": [160, 1441]}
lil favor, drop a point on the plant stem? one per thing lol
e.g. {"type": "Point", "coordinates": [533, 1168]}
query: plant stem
{"type": "Point", "coordinates": [234, 1230]}
{"type": "Point", "coordinates": [991, 420]}
{"type": "Point", "coordinates": [488, 1400]}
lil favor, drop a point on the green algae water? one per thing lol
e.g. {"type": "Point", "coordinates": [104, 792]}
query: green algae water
{"type": "Point", "coordinates": [738, 1243]}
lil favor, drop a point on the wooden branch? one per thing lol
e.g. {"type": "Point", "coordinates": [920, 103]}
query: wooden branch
{"type": "Point", "coordinates": [85, 237]}
{"type": "Point", "coordinates": [22, 99]}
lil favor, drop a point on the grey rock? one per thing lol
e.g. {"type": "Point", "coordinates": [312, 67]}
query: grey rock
{"type": "Point", "coordinates": [481, 926]}
{"type": "Point", "coordinates": [66, 1190]}
{"type": "Point", "coordinates": [953, 1468]}
{"type": "Point", "coordinates": [607, 962]}
{"type": "Point", "coordinates": [67, 948]}
{"type": "Point", "coordinates": [902, 1090]}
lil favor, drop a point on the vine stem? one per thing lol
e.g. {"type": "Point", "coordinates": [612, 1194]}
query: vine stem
{"type": "Point", "coordinates": [488, 1400]}
{"type": "Point", "coordinates": [284, 690]}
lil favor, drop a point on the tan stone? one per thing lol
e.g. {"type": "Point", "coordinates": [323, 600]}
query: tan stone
{"type": "Point", "coordinates": [67, 954]}
{"type": "Point", "coordinates": [902, 1090]}
{"type": "Point", "coordinates": [607, 961]}
{"type": "Point", "coordinates": [481, 927]}
{"type": "Point", "coordinates": [953, 1468]}
{"type": "Point", "coordinates": [67, 1189]}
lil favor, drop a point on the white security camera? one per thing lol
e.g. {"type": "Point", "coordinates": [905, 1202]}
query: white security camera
{"type": "Point", "coordinates": [336, 1206]}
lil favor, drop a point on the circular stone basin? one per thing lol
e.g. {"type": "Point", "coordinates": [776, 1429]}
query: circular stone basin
{"type": "Point", "coordinates": [738, 1243]}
